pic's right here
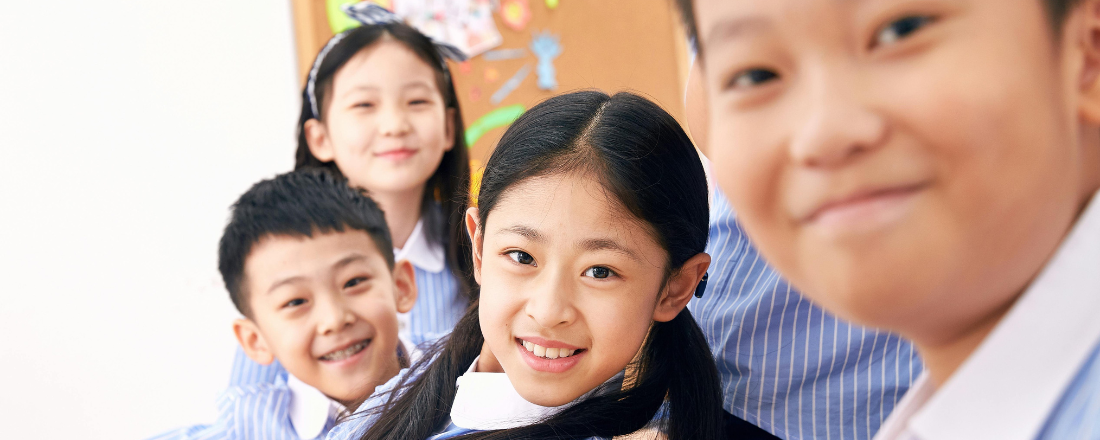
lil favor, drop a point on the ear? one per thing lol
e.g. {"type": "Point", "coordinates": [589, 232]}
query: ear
{"type": "Point", "coordinates": [473, 228]}
{"type": "Point", "coordinates": [404, 286]}
{"type": "Point", "coordinates": [1083, 34]}
{"type": "Point", "coordinates": [252, 341]}
{"type": "Point", "coordinates": [681, 287]}
{"type": "Point", "coordinates": [319, 143]}
{"type": "Point", "coordinates": [449, 128]}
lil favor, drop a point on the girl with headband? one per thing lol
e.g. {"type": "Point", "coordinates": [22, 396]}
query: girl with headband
{"type": "Point", "coordinates": [379, 109]}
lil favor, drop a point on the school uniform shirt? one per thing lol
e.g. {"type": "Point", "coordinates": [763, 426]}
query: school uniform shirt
{"type": "Point", "coordinates": [438, 305]}
{"type": "Point", "coordinates": [284, 409]}
{"type": "Point", "coordinates": [436, 311]}
{"type": "Point", "coordinates": [786, 365]}
{"type": "Point", "coordinates": [1037, 374]}
{"type": "Point", "coordinates": [483, 402]}
{"type": "Point", "coordinates": [270, 403]}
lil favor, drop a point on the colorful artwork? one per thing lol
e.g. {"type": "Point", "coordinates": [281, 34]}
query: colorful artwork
{"type": "Point", "coordinates": [505, 54]}
{"type": "Point", "coordinates": [465, 24]}
{"type": "Point", "coordinates": [552, 4]}
{"type": "Point", "coordinates": [515, 14]}
{"type": "Point", "coordinates": [546, 47]}
{"type": "Point", "coordinates": [501, 117]}
{"type": "Point", "coordinates": [511, 85]}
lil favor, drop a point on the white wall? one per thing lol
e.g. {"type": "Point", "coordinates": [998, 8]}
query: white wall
{"type": "Point", "coordinates": [127, 128]}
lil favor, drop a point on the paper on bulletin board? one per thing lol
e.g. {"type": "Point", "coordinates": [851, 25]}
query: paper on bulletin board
{"type": "Point", "coordinates": [466, 24]}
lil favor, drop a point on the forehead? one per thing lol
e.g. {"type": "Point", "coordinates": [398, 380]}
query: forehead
{"type": "Point", "coordinates": [276, 257]}
{"type": "Point", "coordinates": [387, 62]}
{"type": "Point", "coordinates": [568, 207]}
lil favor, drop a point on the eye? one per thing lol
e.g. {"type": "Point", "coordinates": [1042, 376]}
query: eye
{"type": "Point", "coordinates": [364, 105]}
{"type": "Point", "coordinates": [899, 29]}
{"type": "Point", "coordinates": [751, 78]}
{"type": "Point", "coordinates": [522, 257]}
{"type": "Point", "coordinates": [419, 102]}
{"type": "Point", "coordinates": [294, 302]}
{"type": "Point", "coordinates": [355, 282]}
{"type": "Point", "coordinates": [598, 272]}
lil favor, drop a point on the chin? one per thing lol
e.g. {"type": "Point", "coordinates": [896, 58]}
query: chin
{"type": "Point", "coordinates": [546, 397]}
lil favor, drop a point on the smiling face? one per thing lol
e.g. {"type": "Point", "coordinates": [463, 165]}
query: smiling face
{"type": "Point", "coordinates": [326, 307]}
{"type": "Point", "coordinates": [909, 164]}
{"type": "Point", "coordinates": [386, 125]}
{"type": "Point", "coordinates": [569, 286]}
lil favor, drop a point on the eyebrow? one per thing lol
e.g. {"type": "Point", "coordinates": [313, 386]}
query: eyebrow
{"type": "Point", "coordinates": [524, 231]}
{"type": "Point", "coordinates": [344, 262]}
{"type": "Point", "coordinates": [603, 244]}
{"type": "Point", "coordinates": [732, 29]}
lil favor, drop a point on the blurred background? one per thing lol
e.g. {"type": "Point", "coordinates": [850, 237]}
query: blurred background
{"type": "Point", "coordinates": [129, 127]}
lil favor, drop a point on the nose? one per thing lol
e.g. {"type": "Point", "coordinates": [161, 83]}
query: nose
{"type": "Point", "coordinates": [333, 315]}
{"type": "Point", "coordinates": [394, 121]}
{"type": "Point", "coordinates": [839, 126]}
{"type": "Point", "coordinates": [550, 304]}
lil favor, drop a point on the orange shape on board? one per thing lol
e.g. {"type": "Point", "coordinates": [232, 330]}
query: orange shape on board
{"type": "Point", "coordinates": [515, 14]}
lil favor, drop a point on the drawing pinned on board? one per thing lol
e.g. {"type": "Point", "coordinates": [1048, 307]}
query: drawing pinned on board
{"type": "Point", "coordinates": [515, 14]}
{"type": "Point", "coordinates": [500, 117]}
{"type": "Point", "coordinates": [505, 54]}
{"type": "Point", "coordinates": [552, 4]}
{"type": "Point", "coordinates": [511, 85]}
{"type": "Point", "coordinates": [546, 47]}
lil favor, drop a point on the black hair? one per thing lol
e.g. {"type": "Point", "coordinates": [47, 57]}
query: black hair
{"type": "Point", "coordinates": [1056, 10]}
{"type": "Point", "coordinates": [297, 204]}
{"type": "Point", "coordinates": [450, 183]}
{"type": "Point", "coordinates": [646, 162]}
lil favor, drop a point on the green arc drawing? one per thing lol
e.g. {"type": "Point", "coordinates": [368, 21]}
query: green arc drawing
{"type": "Point", "coordinates": [500, 117]}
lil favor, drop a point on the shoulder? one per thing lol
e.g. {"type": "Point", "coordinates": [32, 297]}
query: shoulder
{"type": "Point", "coordinates": [1077, 414]}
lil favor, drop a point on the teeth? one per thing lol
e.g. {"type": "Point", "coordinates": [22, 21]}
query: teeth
{"type": "Point", "coordinates": [345, 353]}
{"type": "Point", "coordinates": [548, 353]}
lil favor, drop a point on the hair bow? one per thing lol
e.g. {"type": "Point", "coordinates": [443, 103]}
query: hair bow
{"type": "Point", "coordinates": [369, 14]}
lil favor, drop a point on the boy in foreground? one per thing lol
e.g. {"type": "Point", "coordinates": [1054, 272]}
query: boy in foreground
{"type": "Point", "coordinates": [930, 168]}
{"type": "Point", "coordinates": [309, 263]}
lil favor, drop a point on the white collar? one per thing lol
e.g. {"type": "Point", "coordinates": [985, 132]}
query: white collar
{"type": "Point", "coordinates": [310, 409]}
{"type": "Point", "coordinates": [1008, 386]}
{"type": "Point", "coordinates": [420, 251]}
{"type": "Point", "coordinates": [486, 401]}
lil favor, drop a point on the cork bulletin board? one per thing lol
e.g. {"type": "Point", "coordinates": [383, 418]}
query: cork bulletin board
{"type": "Point", "coordinates": [611, 45]}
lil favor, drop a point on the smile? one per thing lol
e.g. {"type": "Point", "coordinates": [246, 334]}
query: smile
{"type": "Point", "coordinates": [548, 353]}
{"type": "Point", "coordinates": [345, 353]}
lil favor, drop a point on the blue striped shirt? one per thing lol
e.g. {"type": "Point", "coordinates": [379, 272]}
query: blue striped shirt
{"type": "Point", "coordinates": [256, 410]}
{"type": "Point", "coordinates": [438, 306]}
{"type": "Point", "coordinates": [1077, 415]}
{"type": "Point", "coordinates": [786, 365]}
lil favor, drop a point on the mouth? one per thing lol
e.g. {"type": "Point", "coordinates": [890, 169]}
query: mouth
{"type": "Point", "coordinates": [549, 356]}
{"type": "Point", "coordinates": [346, 352]}
{"type": "Point", "coordinates": [398, 154]}
{"type": "Point", "coordinates": [864, 206]}
{"type": "Point", "coordinates": [548, 352]}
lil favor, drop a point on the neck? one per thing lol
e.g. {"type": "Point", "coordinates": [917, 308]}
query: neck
{"type": "Point", "coordinates": [402, 211]}
{"type": "Point", "coordinates": [943, 357]}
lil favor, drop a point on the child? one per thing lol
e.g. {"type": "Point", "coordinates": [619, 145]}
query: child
{"type": "Point", "coordinates": [588, 243]}
{"type": "Point", "coordinates": [928, 167]}
{"type": "Point", "coordinates": [785, 364]}
{"type": "Point", "coordinates": [308, 261]}
{"type": "Point", "coordinates": [379, 109]}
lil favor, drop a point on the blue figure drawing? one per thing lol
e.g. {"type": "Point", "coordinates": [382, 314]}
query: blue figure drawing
{"type": "Point", "coordinates": [546, 47]}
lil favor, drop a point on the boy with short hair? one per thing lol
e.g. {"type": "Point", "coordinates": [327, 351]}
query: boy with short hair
{"type": "Point", "coordinates": [309, 263]}
{"type": "Point", "coordinates": [931, 168]}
